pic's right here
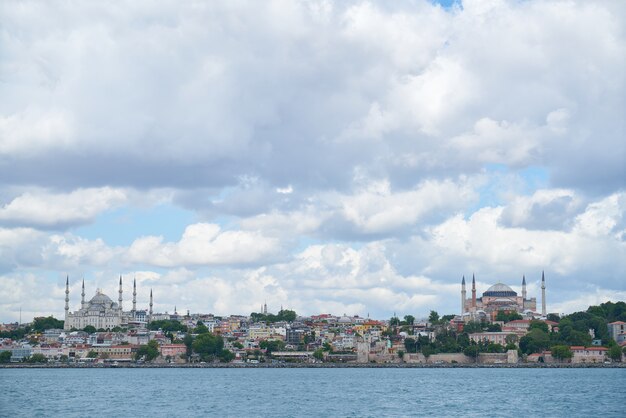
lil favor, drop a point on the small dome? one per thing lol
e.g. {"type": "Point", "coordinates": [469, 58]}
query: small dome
{"type": "Point", "coordinates": [500, 290]}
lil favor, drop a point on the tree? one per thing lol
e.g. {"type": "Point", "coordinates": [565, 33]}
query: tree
{"type": "Point", "coordinates": [561, 352]}
{"type": "Point", "coordinates": [148, 351]}
{"type": "Point", "coordinates": [506, 316]}
{"type": "Point", "coordinates": [37, 358]}
{"type": "Point", "coordinates": [41, 324]}
{"type": "Point", "coordinates": [534, 324]}
{"type": "Point", "coordinates": [410, 345]}
{"type": "Point", "coordinates": [271, 345]}
{"type": "Point", "coordinates": [89, 329]}
{"type": "Point", "coordinates": [92, 354]}
{"type": "Point", "coordinates": [208, 345]}
{"type": "Point", "coordinates": [319, 354]}
{"type": "Point", "coordinates": [5, 356]}
{"type": "Point", "coordinates": [615, 352]}
{"type": "Point", "coordinates": [433, 317]}
{"type": "Point", "coordinates": [167, 326]}
{"type": "Point", "coordinates": [511, 339]}
{"type": "Point", "coordinates": [201, 328]}
{"type": "Point", "coordinates": [472, 351]}
{"type": "Point", "coordinates": [534, 342]}
{"type": "Point", "coordinates": [394, 321]}
{"type": "Point", "coordinates": [553, 317]}
{"type": "Point", "coordinates": [226, 356]}
{"type": "Point", "coordinates": [409, 319]}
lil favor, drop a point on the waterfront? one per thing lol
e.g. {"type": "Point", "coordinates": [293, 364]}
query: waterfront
{"type": "Point", "coordinates": [312, 392]}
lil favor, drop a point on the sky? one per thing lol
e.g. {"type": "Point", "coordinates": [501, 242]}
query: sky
{"type": "Point", "coordinates": [353, 157]}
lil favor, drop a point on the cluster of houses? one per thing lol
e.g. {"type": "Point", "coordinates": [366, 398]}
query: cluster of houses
{"type": "Point", "coordinates": [342, 338]}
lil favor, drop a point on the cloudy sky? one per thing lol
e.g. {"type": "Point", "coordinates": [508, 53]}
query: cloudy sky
{"type": "Point", "coordinates": [352, 157]}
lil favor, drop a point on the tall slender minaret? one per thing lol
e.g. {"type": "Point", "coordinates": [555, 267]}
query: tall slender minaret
{"type": "Point", "coordinates": [543, 294]}
{"type": "Point", "coordinates": [134, 295]}
{"type": "Point", "coordinates": [463, 295]}
{"type": "Point", "coordinates": [67, 296]}
{"type": "Point", "coordinates": [119, 299]}
{"type": "Point", "coordinates": [82, 296]}
{"type": "Point", "coordinates": [150, 312]}
{"type": "Point", "coordinates": [473, 291]}
{"type": "Point", "coordinates": [523, 287]}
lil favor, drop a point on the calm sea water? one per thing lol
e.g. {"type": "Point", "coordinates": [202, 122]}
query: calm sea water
{"type": "Point", "coordinates": [312, 392]}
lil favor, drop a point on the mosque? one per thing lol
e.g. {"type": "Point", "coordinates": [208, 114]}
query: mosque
{"type": "Point", "coordinates": [101, 312]}
{"type": "Point", "coordinates": [501, 297]}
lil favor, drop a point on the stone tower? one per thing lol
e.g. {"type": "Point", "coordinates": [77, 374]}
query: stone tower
{"type": "Point", "coordinates": [463, 295]}
{"type": "Point", "coordinates": [543, 295]}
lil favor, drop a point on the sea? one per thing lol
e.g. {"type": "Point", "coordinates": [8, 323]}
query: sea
{"type": "Point", "coordinates": [313, 392]}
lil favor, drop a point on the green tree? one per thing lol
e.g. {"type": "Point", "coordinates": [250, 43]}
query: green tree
{"type": "Point", "coordinates": [561, 352]}
{"type": "Point", "coordinates": [394, 321]}
{"type": "Point", "coordinates": [92, 354]}
{"type": "Point", "coordinates": [319, 354]}
{"type": "Point", "coordinates": [410, 345]}
{"type": "Point", "coordinates": [433, 317]}
{"type": "Point", "coordinates": [226, 356]}
{"type": "Point", "coordinates": [472, 351]}
{"type": "Point", "coordinates": [615, 353]}
{"type": "Point", "coordinates": [201, 328]}
{"type": "Point", "coordinates": [409, 319]}
{"type": "Point", "coordinates": [554, 317]}
{"type": "Point", "coordinates": [208, 346]}
{"type": "Point", "coordinates": [41, 324]}
{"type": "Point", "coordinates": [238, 345]}
{"type": "Point", "coordinates": [271, 345]}
{"type": "Point", "coordinates": [37, 358]}
{"type": "Point", "coordinates": [535, 341]}
{"type": "Point", "coordinates": [5, 356]}
{"type": "Point", "coordinates": [506, 316]}
{"type": "Point", "coordinates": [535, 324]}
{"type": "Point", "coordinates": [447, 318]}
{"type": "Point", "coordinates": [148, 351]}
{"type": "Point", "coordinates": [167, 326]}
{"type": "Point", "coordinates": [473, 327]}
{"type": "Point", "coordinates": [89, 329]}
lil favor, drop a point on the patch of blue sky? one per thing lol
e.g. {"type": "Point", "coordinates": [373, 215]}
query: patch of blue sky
{"type": "Point", "coordinates": [448, 4]}
{"type": "Point", "coordinates": [503, 180]}
{"type": "Point", "coordinates": [121, 226]}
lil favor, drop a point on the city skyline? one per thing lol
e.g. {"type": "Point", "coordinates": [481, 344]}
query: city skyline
{"type": "Point", "coordinates": [356, 158]}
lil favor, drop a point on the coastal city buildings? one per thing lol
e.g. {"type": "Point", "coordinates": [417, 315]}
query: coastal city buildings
{"type": "Point", "coordinates": [500, 326]}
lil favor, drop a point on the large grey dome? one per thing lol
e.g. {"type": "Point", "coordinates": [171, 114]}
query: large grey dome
{"type": "Point", "coordinates": [101, 299]}
{"type": "Point", "coordinates": [500, 290]}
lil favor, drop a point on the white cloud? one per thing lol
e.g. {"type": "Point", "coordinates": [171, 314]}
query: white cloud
{"type": "Point", "coordinates": [204, 244]}
{"type": "Point", "coordinates": [48, 210]}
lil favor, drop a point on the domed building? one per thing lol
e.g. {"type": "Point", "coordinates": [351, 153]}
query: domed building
{"type": "Point", "coordinates": [498, 297]}
{"type": "Point", "coordinates": [100, 311]}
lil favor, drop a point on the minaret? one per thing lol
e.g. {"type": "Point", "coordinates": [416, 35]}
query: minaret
{"type": "Point", "coordinates": [523, 288]}
{"type": "Point", "coordinates": [67, 297]}
{"type": "Point", "coordinates": [463, 295]}
{"type": "Point", "coordinates": [473, 291]}
{"type": "Point", "coordinates": [134, 295]}
{"type": "Point", "coordinates": [82, 296]}
{"type": "Point", "coordinates": [543, 295]}
{"type": "Point", "coordinates": [119, 299]}
{"type": "Point", "coordinates": [265, 308]}
{"type": "Point", "coordinates": [150, 312]}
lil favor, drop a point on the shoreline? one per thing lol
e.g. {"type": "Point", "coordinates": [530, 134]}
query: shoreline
{"type": "Point", "coordinates": [315, 366]}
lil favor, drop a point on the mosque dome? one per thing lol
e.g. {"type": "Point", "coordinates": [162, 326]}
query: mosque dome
{"type": "Point", "coordinates": [500, 290]}
{"type": "Point", "coordinates": [101, 299]}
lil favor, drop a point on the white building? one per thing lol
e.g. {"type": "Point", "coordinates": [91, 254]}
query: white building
{"type": "Point", "coordinates": [100, 312]}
